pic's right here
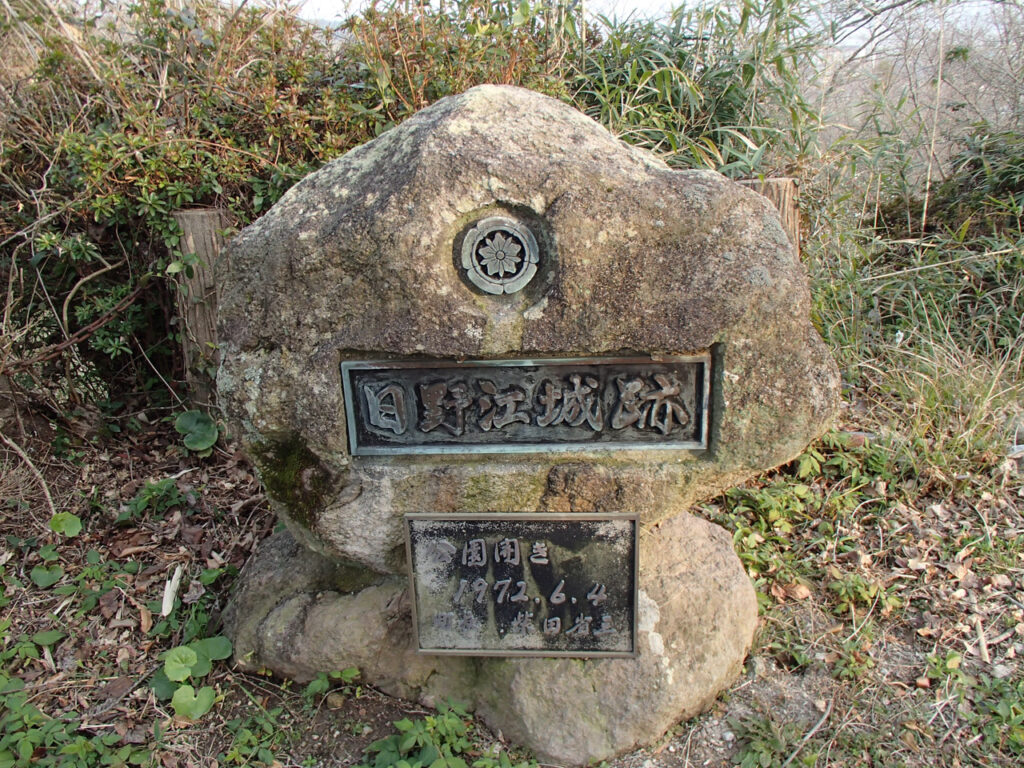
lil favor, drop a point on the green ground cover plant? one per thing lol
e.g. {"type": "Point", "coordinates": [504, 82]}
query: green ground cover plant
{"type": "Point", "coordinates": [888, 558]}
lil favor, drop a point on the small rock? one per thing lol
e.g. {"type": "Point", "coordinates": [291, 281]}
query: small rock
{"type": "Point", "coordinates": [759, 667]}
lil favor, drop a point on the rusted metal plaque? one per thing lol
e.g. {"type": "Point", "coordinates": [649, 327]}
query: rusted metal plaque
{"type": "Point", "coordinates": [502, 406]}
{"type": "Point", "coordinates": [524, 584]}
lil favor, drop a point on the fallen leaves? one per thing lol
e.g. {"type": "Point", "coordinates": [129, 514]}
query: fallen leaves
{"type": "Point", "coordinates": [792, 591]}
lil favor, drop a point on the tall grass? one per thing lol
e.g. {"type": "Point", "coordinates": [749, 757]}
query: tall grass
{"type": "Point", "coordinates": [932, 343]}
{"type": "Point", "coordinates": [914, 227]}
{"type": "Point", "coordinates": [714, 86]}
{"type": "Point", "coordinates": [929, 329]}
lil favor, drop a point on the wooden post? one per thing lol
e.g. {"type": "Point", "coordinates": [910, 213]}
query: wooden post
{"type": "Point", "coordinates": [197, 299]}
{"type": "Point", "coordinates": [785, 196]}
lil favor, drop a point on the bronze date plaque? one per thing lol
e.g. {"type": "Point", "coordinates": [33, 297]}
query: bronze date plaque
{"type": "Point", "coordinates": [519, 406]}
{"type": "Point", "coordinates": [524, 584]}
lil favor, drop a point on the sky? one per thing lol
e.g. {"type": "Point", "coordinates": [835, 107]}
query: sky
{"type": "Point", "coordinates": [329, 10]}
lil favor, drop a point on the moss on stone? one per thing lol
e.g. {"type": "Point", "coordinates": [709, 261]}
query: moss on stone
{"type": "Point", "coordinates": [486, 492]}
{"type": "Point", "coordinates": [479, 494]}
{"type": "Point", "coordinates": [294, 477]}
{"type": "Point", "coordinates": [349, 578]}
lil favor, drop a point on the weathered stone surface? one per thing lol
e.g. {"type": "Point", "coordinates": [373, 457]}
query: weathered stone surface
{"type": "Point", "coordinates": [360, 260]}
{"type": "Point", "coordinates": [297, 614]}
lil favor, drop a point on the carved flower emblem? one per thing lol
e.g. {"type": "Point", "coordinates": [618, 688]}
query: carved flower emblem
{"type": "Point", "coordinates": [500, 255]}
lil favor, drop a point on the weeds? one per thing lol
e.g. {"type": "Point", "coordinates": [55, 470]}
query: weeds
{"type": "Point", "coordinates": [764, 742]}
{"type": "Point", "coordinates": [29, 736]}
{"type": "Point", "coordinates": [435, 740]}
{"type": "Point", "coordinates": [156, 497]}
{"type": "Point", "coordinates": [321, 684]}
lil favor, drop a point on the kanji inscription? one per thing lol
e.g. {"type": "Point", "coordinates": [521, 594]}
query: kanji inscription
{"type": "Point", "coordinates": [521, 406]}
{"type": "Point", "coordinates": [529, 584]}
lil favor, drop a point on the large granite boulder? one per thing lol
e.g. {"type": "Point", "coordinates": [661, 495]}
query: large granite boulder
{"type": "Point", "coordinates": [360, 260]}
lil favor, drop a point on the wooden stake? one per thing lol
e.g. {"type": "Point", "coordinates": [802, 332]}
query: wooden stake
{"type": "Point", "coordinates": [785, 196]}
{"type": "Point", "coordinates": [197, 299]}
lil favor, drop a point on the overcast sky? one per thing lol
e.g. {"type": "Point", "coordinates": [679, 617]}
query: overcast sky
{"type": "Point", "coordinates": [329, 10]}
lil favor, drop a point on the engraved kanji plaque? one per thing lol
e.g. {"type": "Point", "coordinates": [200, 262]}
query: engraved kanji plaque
{"type": "Point", "coordinates": [524, 584]}
{"type": "Point", "coordinates": [503, 406]}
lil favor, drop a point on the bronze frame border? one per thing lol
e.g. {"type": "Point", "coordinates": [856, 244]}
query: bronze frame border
{"type": "Point", "coordinates": [379, 365]}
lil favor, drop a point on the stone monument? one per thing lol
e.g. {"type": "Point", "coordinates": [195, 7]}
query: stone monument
{"type": "Point", "coordinates": [484, 364]}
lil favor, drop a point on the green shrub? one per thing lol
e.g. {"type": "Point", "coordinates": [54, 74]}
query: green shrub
{"type": "Point", "coordinates": [116, 116]}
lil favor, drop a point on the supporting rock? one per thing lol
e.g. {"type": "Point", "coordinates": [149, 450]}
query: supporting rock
{"type": "Point", "coordinates": [297, 614]}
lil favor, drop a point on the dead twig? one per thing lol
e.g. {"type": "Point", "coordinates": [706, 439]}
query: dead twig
{"type": "Point", "coordinates": [808, 735]}
{"type": "Point", "coordinates": [33, 469]}
{"type": "Point", "coordinates": [982, 642]}
{"type": "Point", "coordinates": [49, 353]}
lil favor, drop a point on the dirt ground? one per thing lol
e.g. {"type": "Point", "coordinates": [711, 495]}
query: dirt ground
{"type": "Point", "coordinates": [210, 517]}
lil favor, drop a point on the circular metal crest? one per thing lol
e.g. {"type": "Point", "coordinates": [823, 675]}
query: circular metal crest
{"type": "Point", "coordinates": [500, 255]}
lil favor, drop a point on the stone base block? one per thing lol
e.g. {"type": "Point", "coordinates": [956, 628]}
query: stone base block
{"type": "Point", "coordinates": [298, 613]}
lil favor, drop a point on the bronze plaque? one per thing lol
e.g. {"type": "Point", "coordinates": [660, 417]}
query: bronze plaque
{"type": "Point", "coordinates": [524, 584]}
{"type": "Point", "coordinates": [502, 406]}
